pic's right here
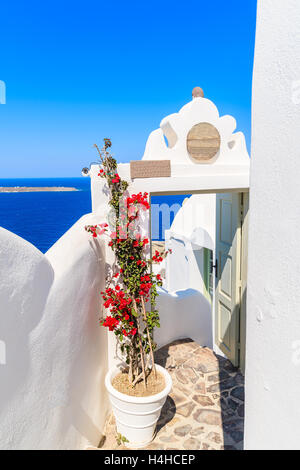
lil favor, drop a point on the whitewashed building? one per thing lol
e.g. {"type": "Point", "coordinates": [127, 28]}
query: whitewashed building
{"type": "Point", "coordinates": [53, 355]}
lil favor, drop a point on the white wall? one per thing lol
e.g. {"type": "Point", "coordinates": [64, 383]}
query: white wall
{"type": "Point", "coordinates": [184, 314]}
{"type": "Point", "coordinates": [192, 229]}
{"type": "Point", "coordinates": [52, 378]}
{"type": "Point", "coordinates": [273, 309]}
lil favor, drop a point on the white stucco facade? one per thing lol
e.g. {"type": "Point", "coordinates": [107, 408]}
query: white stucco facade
{"type": "Point", "coordinates": [273, 320]}
{"type": "Point", "coordinates": [53, 351]}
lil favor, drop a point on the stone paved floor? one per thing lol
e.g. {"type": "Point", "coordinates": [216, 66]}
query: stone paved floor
{"type": "Point", "coordinates": [205, 409]}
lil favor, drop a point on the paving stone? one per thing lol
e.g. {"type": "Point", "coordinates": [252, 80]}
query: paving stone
{"type": "Point", "coordinates": [154, 446]}
{"type": "Point", "coordinates": [192, 346]}
{"type": "Point", "coordinates": [206, 354]}
{"type": "Point", "coordinates": [206, 446]}
{"type": "Point", "coordinates": [179, 361]}
{"type": "Point", "coordinates": [170, 363]}
{"type": "Point", "coordinates": [186, 375]}
{"type": "Point", "coordinates": [185, 410]}
{"type": "Point", "coordinates": [204, 367]}
{"type": "Point", "coordinates": [239, 445]}
{"type": "Point", "coordinates": [197, 431]}
{"type": "Point", "coordinates": [168, 438]}
{"type": "Point", "coordinates": [192, 444]}
{"type": "Point", "coordinates": [215, 437]}
{"type": "Point", "coordinates": [233, 425]}
{"type": "Point", "coordinates": [178, 398]}
{"type": "Point", "coordinates": [223, 403]}
{"type": "Point", "coordinates": [200, 387]}
{"type": "Point", "coordinates": [161, 429]}
{"type": "Point", "coordinates": [227, 384]}
{"type": "Point", "coordinates": [182, 377]}
{"type": "Point", "coordinates": [173, 420]}
{"type": "Point", "coordinates": [208, 417]}
{"type": "Point", "coordinates": [213, 388]}
{"type": "Point", "coordinates": [218, 402]}
{"type": "Point", "coordinates": [241, 410]}
{"type": "Point", "coordinates": [232, 404]}
{"type": "Point", "coordinates": [228, 366]}
{"type": "Point", "coordinates": [237, 436]}
{"type": "Point", "coordinates": [182, 430]}
{"type": "Point", "coordinates": [238, 392]}
{"type": "Point", "coordinates": [222, 375]}
{"type": "Point", "coordinates": [227, 414]}
{"type": "Point", "coordinates": [203, 400]}
{"type": "Point", "coordinates": [239, 379]}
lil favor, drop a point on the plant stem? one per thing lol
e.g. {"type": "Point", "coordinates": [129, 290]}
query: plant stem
{"type": "Point", "coordinates": [149, 337]}
{"type": "Point", "coordinates": [130, 370]}
{"type": "Point", "coordinates": [141, 346]}
{"type": "Point", "coordinates": [98, 150]}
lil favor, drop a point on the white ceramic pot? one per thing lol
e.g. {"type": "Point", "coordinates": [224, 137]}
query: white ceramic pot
{"type": "Point", "coordinates": [136, 417]}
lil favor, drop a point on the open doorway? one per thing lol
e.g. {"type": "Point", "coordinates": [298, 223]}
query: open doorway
{"type": "Point", "coordinates": [208, 236]}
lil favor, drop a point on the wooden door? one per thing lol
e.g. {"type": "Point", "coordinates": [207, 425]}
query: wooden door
{"type": "Point", "coordinates": [228, 274]}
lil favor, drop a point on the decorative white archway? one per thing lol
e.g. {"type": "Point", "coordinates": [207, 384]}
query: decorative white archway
{"type": "Point", "coordinates": [194, 151]}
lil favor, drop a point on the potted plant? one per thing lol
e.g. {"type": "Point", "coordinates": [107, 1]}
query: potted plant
{"type": "Point", "coordinates": [138, 389]}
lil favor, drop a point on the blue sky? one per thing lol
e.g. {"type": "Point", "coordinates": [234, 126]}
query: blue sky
{"type": "Point", "coordinates": [76, 72]}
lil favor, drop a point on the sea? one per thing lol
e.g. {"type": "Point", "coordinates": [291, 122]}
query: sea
{"type": "Point", "coordinates": [43, 217]}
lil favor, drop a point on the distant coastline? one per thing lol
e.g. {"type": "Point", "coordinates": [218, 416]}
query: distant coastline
{"type": "Point", "coordinates": [28, 189]}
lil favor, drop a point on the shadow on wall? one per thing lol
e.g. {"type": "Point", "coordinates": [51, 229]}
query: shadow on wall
{"type": "Point", "coordinates": [184, 314]}
{"type": "Point", "coordinates": [26, 279]}
{"type": "Point", "coordinates": [56, 352]}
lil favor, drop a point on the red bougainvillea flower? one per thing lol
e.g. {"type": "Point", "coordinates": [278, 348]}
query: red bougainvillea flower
{"type": "Point", "coordinates": [116, 179]}
{"type": "Point", "coordinates": [111, 323]}
{"type": "Point", "coordinates": [157, 258]}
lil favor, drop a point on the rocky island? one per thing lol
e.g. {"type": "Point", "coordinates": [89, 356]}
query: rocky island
{"type": "Point", "coordinates": [27, 189]}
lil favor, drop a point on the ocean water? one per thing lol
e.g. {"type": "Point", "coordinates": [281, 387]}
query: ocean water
{"type": "Point", "coordinates": [43, 217]}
